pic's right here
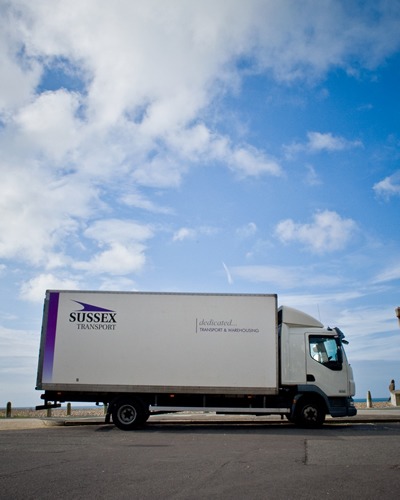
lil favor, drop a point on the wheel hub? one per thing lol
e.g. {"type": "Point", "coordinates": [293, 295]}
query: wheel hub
{"type": "Point", "coordinates": [127, 414]}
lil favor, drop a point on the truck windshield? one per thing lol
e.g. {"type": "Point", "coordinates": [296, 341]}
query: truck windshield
{"type": "Point", "coordinates": [327, 351]}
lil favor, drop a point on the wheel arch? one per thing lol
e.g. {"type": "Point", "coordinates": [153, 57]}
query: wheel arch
{"type": "Point", "coordinates": [309, 408]}
{"type": "Point", "coordinates": [310, 393]}
{"type": "Point", "coordinates": [137, 411]}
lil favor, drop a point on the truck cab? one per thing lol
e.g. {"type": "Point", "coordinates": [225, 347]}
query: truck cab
{"type": "Point", "coordinates": [314, 365]}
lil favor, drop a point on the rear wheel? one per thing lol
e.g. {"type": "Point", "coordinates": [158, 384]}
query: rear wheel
{"type": "Point", "coordinates": [129, 413]}
{"type": "Point", "coordinates": [309, 413]}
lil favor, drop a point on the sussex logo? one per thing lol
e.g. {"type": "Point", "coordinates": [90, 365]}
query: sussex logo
{"type": "Point", "coordinates": [91, 317]}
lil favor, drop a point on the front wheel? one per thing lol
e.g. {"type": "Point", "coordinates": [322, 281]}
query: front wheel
{"type": "Point", "coordinates": [309, 414]}
{"type": "Point", "coordinates": [129, 413]}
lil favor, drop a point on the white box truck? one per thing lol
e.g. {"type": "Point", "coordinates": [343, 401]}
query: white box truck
{"type": "Point", "coordinates": [148, 353]}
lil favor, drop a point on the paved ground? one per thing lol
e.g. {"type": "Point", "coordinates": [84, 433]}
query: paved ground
{"type": "Point", "coordinates": [363, 416]}
{"type": "Point", "coordinates": [180, 461]}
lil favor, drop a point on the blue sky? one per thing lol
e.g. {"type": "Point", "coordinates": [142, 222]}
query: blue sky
{"type": "Point", "coordinates": [240, 147]}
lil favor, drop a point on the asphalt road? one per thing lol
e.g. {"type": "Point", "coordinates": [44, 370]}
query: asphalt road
{"type": "Point", "coordinates": [176, 461]}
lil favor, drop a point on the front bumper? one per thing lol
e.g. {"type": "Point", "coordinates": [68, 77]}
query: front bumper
{"type": "Point", "coordinates": [342, 407]}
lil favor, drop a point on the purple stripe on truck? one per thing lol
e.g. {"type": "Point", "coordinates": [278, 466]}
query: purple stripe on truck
{"type": "Point", "coordinates": [50, 337]}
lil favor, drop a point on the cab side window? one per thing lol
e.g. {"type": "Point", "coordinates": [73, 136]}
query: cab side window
{"type": "Point", "coordinates": [326, 351]}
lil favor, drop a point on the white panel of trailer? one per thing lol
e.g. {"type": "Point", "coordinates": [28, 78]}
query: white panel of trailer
{"type": "Point", "coordinates": [164, 340]}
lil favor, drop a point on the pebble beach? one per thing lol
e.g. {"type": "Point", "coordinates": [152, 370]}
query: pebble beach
{"type": "Point", "coordinates": [57, 412]}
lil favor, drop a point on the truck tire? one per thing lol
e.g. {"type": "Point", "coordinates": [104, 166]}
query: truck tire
{"type": "Point", "coordinates": [129, 413]}
{"type": "Point", "coordinates": [309, 413]}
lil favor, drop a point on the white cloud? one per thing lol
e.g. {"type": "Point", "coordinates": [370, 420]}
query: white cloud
{"type": "Point", "coordinates": [149, 73]}
{"type": "Point", "coordinates": [18, 347]}
{"type": "Point", "coordinates": [285, 277]}
{"type": "Point", "coordinates": [312, 178]}
{"type": "Point", "coordinates": [247, 231]}
{"type": "Point", "coordinates": [374, 349]}
{"type": "Point", "coordinates": [37, 211]}
{"type": "Point", "coordinates": [247, 161]}
{"type": "Point", "coordinates": [135, 71]}
{"type": "Point", "coordinates": [159, 172]}
{"type": "Point", "coordinates": [372, 331]}
{"type": "Point", "coordinates": [305, 39]}
{"type": "Point", "coordinates": [136, 199]}
{"type": "Point", "coordinates": [388, 187]}
{"type": "Point", "coordinates": [310, 302]}
{"type": "Point", "coordinates": [390, 273]}
{"type": "Point", "coordinates": [109, 231]}
{"type": "Point", "coordinates": [49, 123]}
{"type": "Point", "coordinates": [18, 78]}
{"type": "Point", "coordinates": [118, 259]}
{"type": "Point", "coordinates": [34, 289]}
{"type": "Point", "coordinates": [327, 233]}
{"type": "Point", "coordinates": [197, 142]}
{"type": "Point", "coordinates": [363, 321]}
{"type": "Point", "coordinates": [186, 233]}
{"type": "Point", "coordinates": [318, 141]}
{"type": "Point", "coordinates": [18, 366]}
{"type": "Point", "coordinates": [117, 283]}
{"type": "Point", "coordinates": [276, 276]}
{"type": "Point", "coordinates": [124, 251]}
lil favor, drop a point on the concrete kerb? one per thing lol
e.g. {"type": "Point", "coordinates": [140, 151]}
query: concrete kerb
{"type": "Point", "coordinates": [363, 416]}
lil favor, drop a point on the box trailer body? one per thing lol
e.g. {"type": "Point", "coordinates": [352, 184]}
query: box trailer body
{"type": "Point", "coordinates": [143, 353]}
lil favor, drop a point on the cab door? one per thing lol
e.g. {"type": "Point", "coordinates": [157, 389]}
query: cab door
{"type": "Point", "coordinates": [325, 366]}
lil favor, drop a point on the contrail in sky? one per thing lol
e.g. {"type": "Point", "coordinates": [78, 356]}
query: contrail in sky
{"type": "Point", "coordinates": [228, 274]}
